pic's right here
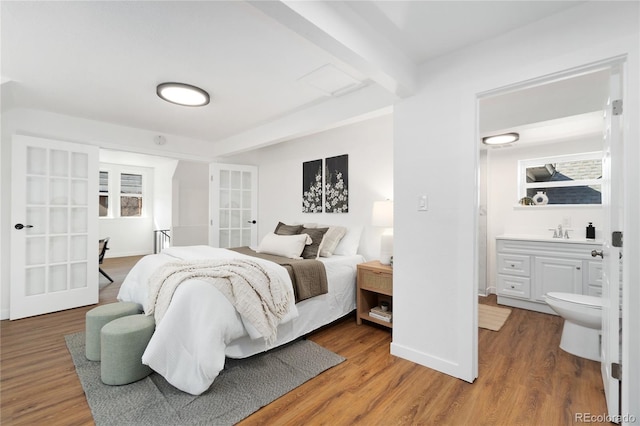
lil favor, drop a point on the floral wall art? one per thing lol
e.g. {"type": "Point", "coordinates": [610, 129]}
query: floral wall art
{"type": "Point", "coordinates": [336, 184]}
{"type": "Point", "coordinates": [312, 186]}
{"type": "Point", "coordinates": [333, 190]}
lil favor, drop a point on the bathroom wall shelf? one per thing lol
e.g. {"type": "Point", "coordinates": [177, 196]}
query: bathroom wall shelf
{"type": "Point", "coordinates": [528, 268]}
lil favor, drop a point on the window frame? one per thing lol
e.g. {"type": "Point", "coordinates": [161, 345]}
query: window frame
{"type": "Point", "coordinates": [523, 185]}
{"type": "Point", "coordinates": [103, 193]}
{"type": "Point", "coordinates": [131, 195]}
{"type": "Point", "coordinates": [115, 191]}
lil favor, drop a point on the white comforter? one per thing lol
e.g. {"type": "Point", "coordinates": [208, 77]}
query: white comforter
{"type": "Point", "coordinates": [188, 346]}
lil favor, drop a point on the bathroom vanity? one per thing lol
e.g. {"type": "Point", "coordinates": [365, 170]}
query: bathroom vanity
{"type": "Point", "coordinates": [528, 267]}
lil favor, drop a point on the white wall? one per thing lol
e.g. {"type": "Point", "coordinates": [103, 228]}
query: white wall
{"type": "Point", "coordinates": [369, 145]}
{"type": "Point", "coordinates": [133, 236]}
{"type": "Point", "coordinates": [79, 130]}
{"type": "Point", "coordinates": [190, 204]}
{"type": "Point", "coordinates": [483, 272]}
{"type": "Point", "coordinates": [129, 236]}
{"type": "Point", "coordinates": [505, 216]}
{"type": "Point", "coordinates": [435, 153]}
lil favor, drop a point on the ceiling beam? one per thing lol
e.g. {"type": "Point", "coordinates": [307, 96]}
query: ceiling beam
{"type": "Point", "coordinates": [364, 103]}
{"type": "Point", "coordinates": [338, 30]}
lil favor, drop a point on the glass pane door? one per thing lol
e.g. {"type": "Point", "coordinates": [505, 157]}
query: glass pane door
{"type": "Point", "coordinates": [233, 205]}
{"type": "Point", "coordinates": [52, 261]}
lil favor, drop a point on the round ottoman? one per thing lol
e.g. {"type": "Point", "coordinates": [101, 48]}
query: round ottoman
{"type": "Point", "coordinates": [123, 342]}
{"type": "Point", "coordinates": [98, 317]}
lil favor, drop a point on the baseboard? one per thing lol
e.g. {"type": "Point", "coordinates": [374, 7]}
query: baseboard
{"type": "Point", "coordinates": [429, 361]}
{"type": "Point", "coordinates": [487, 292]}
{"type": "Point", "coordinates": [111, 254]}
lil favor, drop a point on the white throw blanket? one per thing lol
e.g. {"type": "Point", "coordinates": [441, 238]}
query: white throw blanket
{"type": "Point", "coordinates": [260, 297]}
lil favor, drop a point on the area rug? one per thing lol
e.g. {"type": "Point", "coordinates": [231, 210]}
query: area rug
{"type": "Point", "coordinates": [492, 317]}
{"type": "Point", "coordinates": [242, 388]}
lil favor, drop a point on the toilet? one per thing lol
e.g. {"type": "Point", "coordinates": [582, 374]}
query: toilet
{"type": "Point", "coordinates": [582, 323]}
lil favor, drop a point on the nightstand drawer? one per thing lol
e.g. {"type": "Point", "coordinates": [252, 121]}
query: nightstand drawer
{"type": "Point", "coordinates": [373, 280]}
{"type": "Point", "coordinates": [514, 264]}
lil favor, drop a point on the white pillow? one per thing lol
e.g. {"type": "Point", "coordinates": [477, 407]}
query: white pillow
{"type": "Point", "coordinates": [348, 245]}
{"type": "Point", "coordinates": [290, 246]}
{"type": "Point", "coordinates": [331, 239]}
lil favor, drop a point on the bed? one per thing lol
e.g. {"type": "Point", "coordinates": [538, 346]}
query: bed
{"type": "Point", "coordinates": [201, 327]}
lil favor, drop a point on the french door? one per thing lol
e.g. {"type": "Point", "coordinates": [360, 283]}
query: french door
{"type": "Point", "coordinates": [54, 213]}
{"type": "Point", "coordinates": [234, 205]}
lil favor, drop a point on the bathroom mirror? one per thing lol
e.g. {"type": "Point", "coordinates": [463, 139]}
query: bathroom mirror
{"type": "Point", "coordinates": [561, 180]}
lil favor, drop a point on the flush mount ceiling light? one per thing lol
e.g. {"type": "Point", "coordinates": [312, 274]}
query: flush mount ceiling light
{"type": "Point", "coordinates": [503, 139]}
{"type": "Point", "coordinates": [182, 94]}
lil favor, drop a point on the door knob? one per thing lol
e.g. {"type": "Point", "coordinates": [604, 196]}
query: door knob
{"type": "Point", "coordinates": [595, 253]}
{"type": "Point", "coordinates": [20, 226]}
{"type": "Point", "coordinates": [251, 221]}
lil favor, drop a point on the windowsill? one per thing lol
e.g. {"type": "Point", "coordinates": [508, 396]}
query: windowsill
{"type": "Point", "coordinates": [557, 206]}
{"type": "Point", "coordinates": [122, 217]}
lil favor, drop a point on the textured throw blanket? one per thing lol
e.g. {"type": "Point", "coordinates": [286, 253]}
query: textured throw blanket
{"type": "Point", "coordinates": [261, 298]}
{"type": "Point", "coordinates": [308, 276]}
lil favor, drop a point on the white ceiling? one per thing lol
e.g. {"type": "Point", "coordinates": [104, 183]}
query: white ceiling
{"type": "Point", "coordinates": [103, 60]}
{"type": "Point", "coordinates": [567, 108]}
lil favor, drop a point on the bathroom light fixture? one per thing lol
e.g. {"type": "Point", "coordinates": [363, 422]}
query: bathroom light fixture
{"type": "Point", "coordinates": [182, 94]}
{"type": "Point", "coordinates": [502, 139]}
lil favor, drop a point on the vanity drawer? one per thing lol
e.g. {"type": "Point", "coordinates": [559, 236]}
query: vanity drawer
{"type": "Point", "coordinates": [514, 286]}
{"type": "Point", "coordinates": [514, 264]}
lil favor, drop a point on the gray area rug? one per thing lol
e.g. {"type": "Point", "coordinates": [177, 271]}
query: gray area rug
{"type": "Point", "coordinates": [242, 388]}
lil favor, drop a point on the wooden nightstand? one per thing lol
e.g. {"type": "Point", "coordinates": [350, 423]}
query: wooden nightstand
{"type": "Point", "coordinates": [375, 285]}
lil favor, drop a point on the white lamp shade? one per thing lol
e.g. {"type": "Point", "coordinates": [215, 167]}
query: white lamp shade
{"type": "Point", "coordinates": [382, 217]}
{"type": "Point", "coordinates": [383, 214]}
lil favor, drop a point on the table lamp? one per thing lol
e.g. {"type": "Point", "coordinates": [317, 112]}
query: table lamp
{"type": "Point", "coordinates": [382, 217]}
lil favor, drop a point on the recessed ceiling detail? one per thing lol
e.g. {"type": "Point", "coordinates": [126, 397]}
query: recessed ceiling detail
{"type": "Point", "coordinates": [331, 81]}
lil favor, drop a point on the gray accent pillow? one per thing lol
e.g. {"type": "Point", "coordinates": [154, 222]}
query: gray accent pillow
{"type": "Point", "coordinates": [311, 250]}
{"type": "Point", "coordinates": [283, 229]}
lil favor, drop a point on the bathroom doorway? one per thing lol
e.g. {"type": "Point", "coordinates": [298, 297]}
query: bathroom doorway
{"type": "Point", "coordinates": [553, 116]}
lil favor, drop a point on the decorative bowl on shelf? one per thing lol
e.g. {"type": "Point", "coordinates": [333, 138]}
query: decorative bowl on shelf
{"type": "Point", "coordinates": [540, 198]}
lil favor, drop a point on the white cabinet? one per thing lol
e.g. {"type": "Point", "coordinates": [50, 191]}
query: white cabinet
{"type": "Point", "coordinates": [554, 274]}
{"type": "Point", "coordinates": [528, 268]}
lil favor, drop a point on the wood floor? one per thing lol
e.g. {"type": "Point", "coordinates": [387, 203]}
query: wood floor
{"type": "Point", "coordinates": [524, 378]}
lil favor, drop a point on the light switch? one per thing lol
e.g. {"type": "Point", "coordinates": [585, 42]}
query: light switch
{"type": "Point", "coordinates": [422, 203]}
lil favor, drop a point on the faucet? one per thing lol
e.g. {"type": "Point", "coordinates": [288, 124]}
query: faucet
{"type": "Point", "coordinates": [557, 232]}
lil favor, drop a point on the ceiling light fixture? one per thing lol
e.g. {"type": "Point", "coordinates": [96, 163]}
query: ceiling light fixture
{"type": "Point", "coordinates": [501, 139]}
{"type": "Point", "coordinates": [182, 94]}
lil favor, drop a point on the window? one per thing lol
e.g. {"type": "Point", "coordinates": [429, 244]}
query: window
{"type": "Point", "coordinates": [103, 208]}
{"type": "Point", "coordinates": [568, 179]}
{"type": "Point", "coordinates": [121, 191]}
{"type": "Point", "coordinates": [130, 194]}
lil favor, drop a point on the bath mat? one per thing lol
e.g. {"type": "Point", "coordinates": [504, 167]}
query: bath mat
{"type": "Point", "coordinates": [492, 317]}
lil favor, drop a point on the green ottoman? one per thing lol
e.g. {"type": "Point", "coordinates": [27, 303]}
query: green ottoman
{"type": "Point", "coordinates": [123, 342]}
{"type": "Point", "coordinates": [98, 317]}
